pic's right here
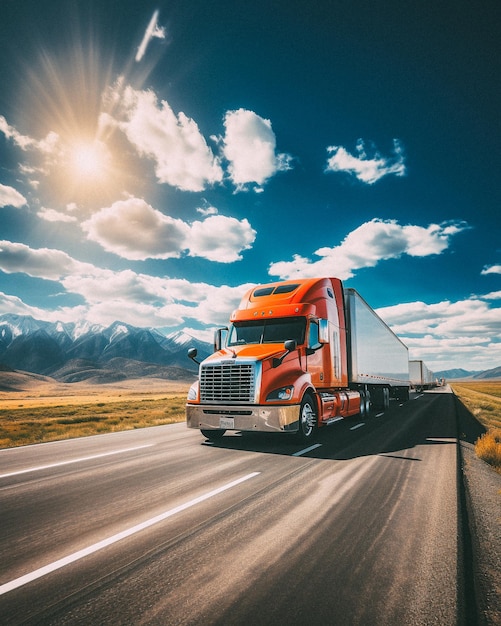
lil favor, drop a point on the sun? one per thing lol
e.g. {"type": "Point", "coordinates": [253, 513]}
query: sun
{"type": "Point", "coordinates": [84, 170]}
{"type": "Point", "coordinates": [89, 159]}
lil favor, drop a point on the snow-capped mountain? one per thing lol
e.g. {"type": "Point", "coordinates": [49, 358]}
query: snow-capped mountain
{"type": "Point", "coordinates": [82, 349]}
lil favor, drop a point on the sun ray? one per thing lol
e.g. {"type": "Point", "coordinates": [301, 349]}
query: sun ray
{"type": "Point", "coordinates": [83, 159]}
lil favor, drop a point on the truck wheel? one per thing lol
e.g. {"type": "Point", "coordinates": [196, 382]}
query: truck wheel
{"type": "Point", "coordinates": [307, 419]}
{"type": "Point", "coordinates": [365, 403]}
{"type": "Point", "coordinates": [381, 398]}
{"type": "Point", "coordinates": [402, 394]}
{"type": "Point", "coordinates": [386, 398]}
{"type": "Point", "coordinates": [212, 434]}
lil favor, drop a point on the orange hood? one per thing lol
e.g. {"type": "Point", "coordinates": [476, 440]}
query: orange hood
{"type": "Point", "coordinates": [259, 351]}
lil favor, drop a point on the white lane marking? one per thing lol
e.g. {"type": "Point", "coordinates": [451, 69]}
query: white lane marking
{"type": "Point", "coordinates": [357, 426]}
{"type": "Point", "coordinates": [420, 396]}
{"type": "Point", "coordinates": [441, 439]}
{"type": "Point", "coordinates": [79, 460]}
{"type": "Point", "coordinates": [76, 556]}
{"type": "Point", "coordinates": [301, 452]}
{"type": "Point", "coordinates": [379, 414]}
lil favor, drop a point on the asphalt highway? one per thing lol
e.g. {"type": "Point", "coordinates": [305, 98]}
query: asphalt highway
{"type": "Point", "coordinates": [159, 526]}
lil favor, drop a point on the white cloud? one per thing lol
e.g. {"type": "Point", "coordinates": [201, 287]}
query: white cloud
{"type": "Point", "coordinates": [51, 215]}
{"type": "Point", "coordinates": [207, 334]}
{"type": "Point", "coordinates": [367, 169]}
{"type": "Point", "coordinates": [249, 146]}
{"type": "Point", "coordinates": [368, 244]}
{"type": "Point", "coordinates": [152, 30]}
{"type": "Point", "coordinates": [134, 298]}
{"type": "Point", "coordinates": [10, 197]}
{"type": "Point", "coordinates": [210, 210]}
{"type": "Point", "coordinates": [46, 145]}
{"type": "Point", "coordinates": [39, 263]}
{"type": "Point", "coordinates": [22, 141]}
{"type": "Point", "coordinates": [492, 269]}
{"type": "Point", "coordinates": [15, 306]}
{"type": "Point", "coordinates": [448, 334]}
{"type": "Point", "coordinates": [135, 230]}
{"type": "Point", "coordinates": [101, 285]}
{"type": "Point", "coordinates": [493, 295]}
{"type": "Point", "coordinates": [220, 238]}
{"type": "Point", "coordinates": [216, 303]}
{"type": "Point", "coordinates": [174, 142]}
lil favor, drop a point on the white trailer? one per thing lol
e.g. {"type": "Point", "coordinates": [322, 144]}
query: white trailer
{"type": "Point", "coordinates": [377, 358]}
{"type": "Point", "coordinates": [421, 377]}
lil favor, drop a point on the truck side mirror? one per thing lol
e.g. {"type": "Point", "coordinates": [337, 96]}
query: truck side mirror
{"type": "Point", "coordinates": [192, 354]}
{"type": "Point", "coordinates": [289, 345]}
{"type": "Point", "coordinates": [323, 331]}
{"type": "Point", "coordinates": [220, 337]}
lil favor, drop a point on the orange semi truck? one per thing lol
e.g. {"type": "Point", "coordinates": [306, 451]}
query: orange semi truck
{"type": "Point", "coordinates": [297, 355]}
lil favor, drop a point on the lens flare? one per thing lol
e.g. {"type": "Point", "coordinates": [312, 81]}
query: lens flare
{"type": "Point", "coordinates": [89, 160]}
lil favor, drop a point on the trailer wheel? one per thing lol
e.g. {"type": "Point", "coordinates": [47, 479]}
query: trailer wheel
{"type": "Point", "coordinates": [402, 394]}
{"type": "Point", "coordinates": [365, 403]}
{"type": "Point", "coordinates": [386, 398]}
{"type": "Point", "coordinates": [380, 398]}
{"type": "Point", "coordinates": [307, 419]}
{"type": "Point", "coordinates": [212, 434]}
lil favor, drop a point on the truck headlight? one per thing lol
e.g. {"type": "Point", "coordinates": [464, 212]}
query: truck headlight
{"type": "Point", "coordinates": [193, 392]}
{"type": "Point", "coordinates": [281, 394]}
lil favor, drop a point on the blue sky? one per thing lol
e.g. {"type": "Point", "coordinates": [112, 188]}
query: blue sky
{"type": "Point", "coordinates": [156, 159]}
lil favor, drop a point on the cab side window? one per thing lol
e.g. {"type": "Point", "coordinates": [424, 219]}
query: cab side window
{"type": "Point", "coordinates": [313, 336]}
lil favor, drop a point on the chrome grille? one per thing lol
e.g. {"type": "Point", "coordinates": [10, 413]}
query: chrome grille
{"type": "Point", "coordinates": [227, 382]}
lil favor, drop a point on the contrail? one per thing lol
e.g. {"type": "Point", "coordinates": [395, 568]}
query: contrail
{"type": "Point", "coordinates": [153, 30]}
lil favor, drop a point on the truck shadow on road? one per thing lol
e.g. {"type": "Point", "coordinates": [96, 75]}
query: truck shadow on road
{"type": "Point", "coordinates": [434, 419]}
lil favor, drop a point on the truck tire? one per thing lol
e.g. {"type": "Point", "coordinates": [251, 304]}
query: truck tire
{"type": "Point", "coordinates": [365, 403]}
{"type": "Point", "coordinates": [386, 398]}
{"type": "Point", "coordinates": [402, 394]}
{"type": "Point", "coordinates": [212, 434]}
{"type": "Point", "coordinates": [380, 397]}
{"type": "Point", "coordinates": [307, 419]}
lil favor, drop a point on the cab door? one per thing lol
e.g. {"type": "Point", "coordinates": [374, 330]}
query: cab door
{"type": "Point", "coordinates": [323, 354]}
{"type": "Point", "coordinates": [315, 354]}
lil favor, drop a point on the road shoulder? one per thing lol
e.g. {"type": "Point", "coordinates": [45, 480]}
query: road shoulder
{"type": "Point", "coordinates": [482, 487]}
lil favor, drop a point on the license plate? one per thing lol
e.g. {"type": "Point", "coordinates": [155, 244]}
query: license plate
{"type": "Point", "coordinates": [226, 422]}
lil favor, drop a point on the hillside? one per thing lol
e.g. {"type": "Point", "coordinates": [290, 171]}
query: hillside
{"type": "Point", "coordinates": [83, 352]}
{"type": "Point", "coordinates": [462, 374]}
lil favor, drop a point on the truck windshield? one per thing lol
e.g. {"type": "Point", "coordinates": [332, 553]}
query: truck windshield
{"type": "Point", "coordinates": [267, 331]}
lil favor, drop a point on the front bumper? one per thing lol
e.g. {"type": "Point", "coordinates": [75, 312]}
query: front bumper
{"type": "Point", "coordinates": [247, 418]}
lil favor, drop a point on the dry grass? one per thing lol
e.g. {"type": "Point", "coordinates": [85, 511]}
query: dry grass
{"type": "Point", "coordinates": [27, 419]}
{"type": "Point", "coordinates": [488, 448]}
{"type": "Point", "coordinates": [483, 399]}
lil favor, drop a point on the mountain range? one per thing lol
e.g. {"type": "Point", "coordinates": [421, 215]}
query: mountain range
{"type": "Point", "coordinates": [73, 352]}
{"type": "Point", "coordinates": [460, 373]}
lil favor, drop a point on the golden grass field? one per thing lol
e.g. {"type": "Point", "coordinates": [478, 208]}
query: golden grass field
{"type": "Point", "coordinates": [36, 409]}
{"type": "Point", "coordinates": [40, 410]}
{"type": "Point", "coordinates": [483, 399]}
